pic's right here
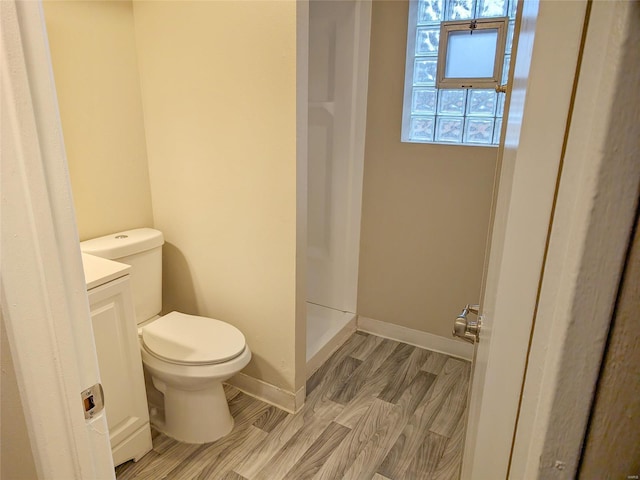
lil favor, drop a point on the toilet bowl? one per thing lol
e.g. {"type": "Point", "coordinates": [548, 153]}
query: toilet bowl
{"type": "Point", "coordinates": [187, 356]}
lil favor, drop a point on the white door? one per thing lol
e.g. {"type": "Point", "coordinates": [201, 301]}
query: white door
{"type": "Point", "coordinates": [529, 164]}
{"type": "Point", "coordinates": [338, 67]}
{"type": "Point", "coordinates": [44, 301]}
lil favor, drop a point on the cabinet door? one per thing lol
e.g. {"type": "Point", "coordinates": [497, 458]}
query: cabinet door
{"type": "Point", "coordinates": [116, 337]}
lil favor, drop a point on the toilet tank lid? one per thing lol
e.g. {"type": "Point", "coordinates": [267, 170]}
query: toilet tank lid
{"type": "Point", "coordinates": [122, 244]}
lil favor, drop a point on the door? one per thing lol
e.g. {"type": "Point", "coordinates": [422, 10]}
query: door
{"type": "Point", "coordinates": [527, 175]}
{"type": "Point", "coordinates": [44, 302]}
{"type": "Point", "coordinates": [338, 67]}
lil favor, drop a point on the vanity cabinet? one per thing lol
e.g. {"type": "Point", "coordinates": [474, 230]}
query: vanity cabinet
{"type": "Point", "coordinates": [119, 361]}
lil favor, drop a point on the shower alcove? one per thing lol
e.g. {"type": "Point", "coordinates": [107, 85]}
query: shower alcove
{"type": "Point", "coordinates": [337, 95]}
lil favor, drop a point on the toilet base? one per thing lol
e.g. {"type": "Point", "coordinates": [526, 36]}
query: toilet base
{"type": "Point", "coordinates": [194, 416]}
{"type": "Point", "coordinates": [195, 406]}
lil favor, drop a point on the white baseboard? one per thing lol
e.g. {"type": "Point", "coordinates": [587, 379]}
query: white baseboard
{"type": "Point", "coordinates": [292, 402]}
{"type": "Point", "coordinates": [425, 340]}
{"type": "Point", "coordinates": [289, 401]}
{"type": "Point", "coordinates": [134, 447]}
{"type": "Point", "coordinates": [327, 350]}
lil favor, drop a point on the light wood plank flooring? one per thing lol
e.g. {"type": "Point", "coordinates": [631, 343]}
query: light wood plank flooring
{"type": "Point", "coordinates": [377, 409]}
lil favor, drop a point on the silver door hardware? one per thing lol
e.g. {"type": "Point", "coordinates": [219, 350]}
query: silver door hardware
{"type": "Point", "coordinates": [465, 328]}
{"type": "Point", "coordinates": [92, 400]}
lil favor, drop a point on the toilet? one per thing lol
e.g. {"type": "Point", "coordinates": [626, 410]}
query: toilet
{"type": "Point", "coordinates": [187, 356]}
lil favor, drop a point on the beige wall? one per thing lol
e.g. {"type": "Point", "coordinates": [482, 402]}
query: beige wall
{"type": "Point", "coordinates": [95, 68]}
{"type": "Point", "coordinates": [425, 207]}
{"type": "Point", "coordinates": [613, 429]}
{"type": "Point", "coordinates": [16, 458]}
{"type": "Point", "coordinates": [219, 94]}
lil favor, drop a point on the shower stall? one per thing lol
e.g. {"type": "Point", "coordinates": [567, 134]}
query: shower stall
{"type": "Point", "coordinates": [337, 96]}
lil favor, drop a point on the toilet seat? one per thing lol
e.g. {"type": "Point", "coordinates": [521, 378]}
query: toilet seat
{"type": "Point", "coordinates": [192, 340]}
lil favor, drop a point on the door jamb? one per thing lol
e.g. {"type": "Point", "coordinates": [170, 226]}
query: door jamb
{"type": "Point", "coordinates": [44, 299]}
{"type": "Point", "coordinates": [594, 217]}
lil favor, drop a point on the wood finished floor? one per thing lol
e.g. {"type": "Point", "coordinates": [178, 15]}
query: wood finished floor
{"type": "Point", "coordinates": [377, 409]}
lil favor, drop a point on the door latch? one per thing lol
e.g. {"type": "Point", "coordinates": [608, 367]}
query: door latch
{"type": "Point", "coordinates": [465, 328]}
{"type": "Point", "coordinates": [92, 401]}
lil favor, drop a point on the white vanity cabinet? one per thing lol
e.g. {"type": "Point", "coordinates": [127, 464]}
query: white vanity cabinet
{"type": "Point", "coordinates": [116, 338]}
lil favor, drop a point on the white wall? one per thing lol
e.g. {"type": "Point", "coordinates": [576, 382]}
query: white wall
{"type": "Point", "coordinates": [95, 68]}
{"type": "Point", "coordinates": [217, 83]}
{"type": "Point", "coordinates": [219, 97]}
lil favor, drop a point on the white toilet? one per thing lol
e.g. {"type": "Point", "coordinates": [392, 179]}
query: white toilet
{"type": "Point", "coordinates": [188, 357]}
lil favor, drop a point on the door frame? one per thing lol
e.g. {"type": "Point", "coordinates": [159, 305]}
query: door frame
{"type": "Point", "coordinates": [595, 211]}
{"type": "Point", "coordinates": [593, 205]}
{"type": "Point", "coordinates": [529, 162]}
{"type": "Point", "coordinates": [44, 299]}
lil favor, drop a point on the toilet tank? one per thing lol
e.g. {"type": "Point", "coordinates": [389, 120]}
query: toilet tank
{"type": "Point", "coordinates": [142, 249]}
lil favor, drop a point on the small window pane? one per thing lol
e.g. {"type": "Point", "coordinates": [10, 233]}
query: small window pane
{"type": "Point", "coordinates": [496, 131]}
{"type": "Point", "coordinates": [422, 128]}
{"type": "Point", "coordinates": [500, 108]}
{"type": "Point", "coordinates": [505, 69]}
{"type": "Point", "coordinates": [481, 103]}
{"type": "Point", "coordinates": [492, 8]}
{"type": "Point", "coordinates": [471, 56]}
{"type": "Point", "coordinates": [427, 40]}
{"type": "Point", "coordinates": [424, 101]}
{"type": "Point", "coordinates": [424, 72]}
{"type": "Point", "coordinates": [430, 11]}
{"type": "Point", "coordinates": [451, 102]}
{"type": "Point", "coordinates": [513, 4]}
{"type": "Point", "coordinates": [479, 130]}
{"type": "Point", "coordinates": [510, 31]}
{"type": "Point", "coordinates": [460, 9]}
{"type": "Point", "coordinates": [449, 129]}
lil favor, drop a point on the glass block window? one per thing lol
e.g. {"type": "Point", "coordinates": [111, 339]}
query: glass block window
{"type": "Point", "coordinates": [460, 116]}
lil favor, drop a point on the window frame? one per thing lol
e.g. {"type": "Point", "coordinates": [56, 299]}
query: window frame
{"type": "Point", "coordinates": [492, 23]}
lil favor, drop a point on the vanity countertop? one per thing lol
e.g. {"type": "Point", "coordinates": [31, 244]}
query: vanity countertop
{"type": "Point", "coordinates": [98, 271]}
